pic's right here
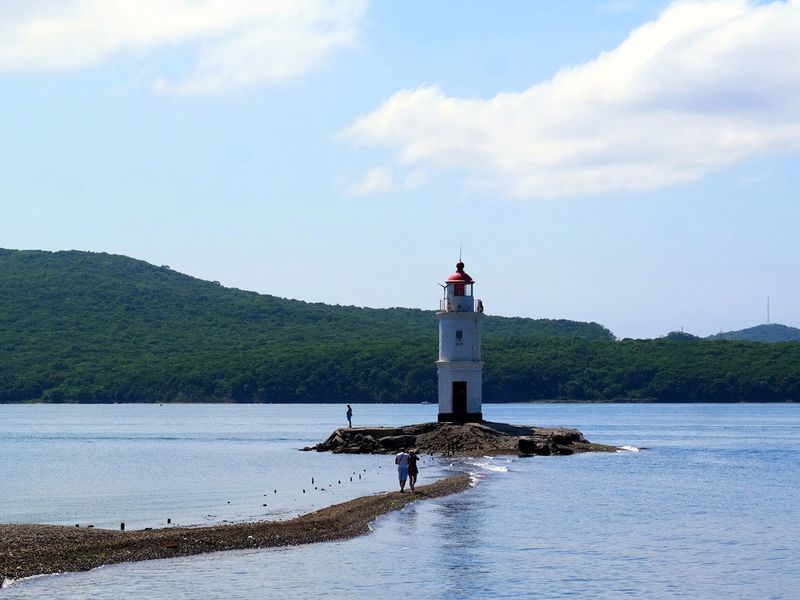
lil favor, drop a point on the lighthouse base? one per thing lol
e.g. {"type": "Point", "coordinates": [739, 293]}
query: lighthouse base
{"type": "Point", "coordinates": [460, 393]}
{"type": "Point", "coordinates": [460, 418]}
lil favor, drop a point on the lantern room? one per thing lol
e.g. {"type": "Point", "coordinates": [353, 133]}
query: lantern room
{"type": "Point", "coordinates": [458, 292]}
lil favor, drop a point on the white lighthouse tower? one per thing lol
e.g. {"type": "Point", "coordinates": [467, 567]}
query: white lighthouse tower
{"type": "Point", "coordinates": [460, 367]}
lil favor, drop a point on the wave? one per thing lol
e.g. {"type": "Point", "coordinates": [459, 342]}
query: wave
{"type": "Point", "coordinates": [490, 467]}
{"type": "Point", "coordinates": [7, 582]}
{"type": "Point", "coordinates": [628, 449]}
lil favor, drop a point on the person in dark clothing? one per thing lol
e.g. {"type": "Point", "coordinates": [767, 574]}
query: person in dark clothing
{"type": "Point", "coordinates": [349, 414]}
{"type": "Point", "coordinates": [413, 470]}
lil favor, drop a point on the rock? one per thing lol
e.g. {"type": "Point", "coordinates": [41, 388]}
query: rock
{"type": "Point", "coordinates": [561, 450]}
{"type": "Point", "coordinates": [396, 442]}
{"type": "Point", "coordinates": [459, 439]}
{"type": "Point", "coordinates": [532, 446]}
{"type": "Point", "coordinates": [566, 436]}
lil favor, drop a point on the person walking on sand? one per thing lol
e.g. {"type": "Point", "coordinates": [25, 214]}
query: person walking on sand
{"type": "Point", "coordinates": [349, 415]}
{"type": "Point", "coordinates": [413, 471]}
{"type": "Point", "coordinates": [401, 460]}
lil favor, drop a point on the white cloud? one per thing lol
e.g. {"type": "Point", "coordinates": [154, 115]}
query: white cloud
{"type": "Point", "coordinates": [382, 180]}
{"type": "Point", "coordinates": [238, 42]}
{"type": "Point", "coordinates": [704, 85]}
{"type": "Point", "coordinates": [378, 180]}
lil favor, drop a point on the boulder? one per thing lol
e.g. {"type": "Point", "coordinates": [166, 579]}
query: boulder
{"type": "Point", "coordinates": [561, 450]}
{"type": "Point", "coordinates": [396, 442]}
{"type": "Point", "coordinates": [566, 436]}
{"type": "Point", "coordinates": [531, 446]}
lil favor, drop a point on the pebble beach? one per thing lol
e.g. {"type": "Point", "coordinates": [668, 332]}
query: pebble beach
{"type": "Point", "coordinates": [28, 550]}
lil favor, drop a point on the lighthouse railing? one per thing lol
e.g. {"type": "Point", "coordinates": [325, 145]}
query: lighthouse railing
{"type": "Point", "coordinates": [451, 305]}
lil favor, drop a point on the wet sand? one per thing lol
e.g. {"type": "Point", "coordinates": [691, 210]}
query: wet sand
{"type": "Point", "coordinates": [27, 550]}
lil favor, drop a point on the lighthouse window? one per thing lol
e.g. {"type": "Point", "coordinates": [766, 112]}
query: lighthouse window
{"type": "Point", "coordinates": [458, 289]}
{"type": "Point", "coordinates": [459, 337]}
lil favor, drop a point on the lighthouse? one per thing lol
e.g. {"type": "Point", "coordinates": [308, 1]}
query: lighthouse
{"type": "Point", "coordinates": [459, 366]}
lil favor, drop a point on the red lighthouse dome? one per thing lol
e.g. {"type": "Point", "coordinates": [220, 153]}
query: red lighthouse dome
{"type": "Point", "coordinates": [459, 276]}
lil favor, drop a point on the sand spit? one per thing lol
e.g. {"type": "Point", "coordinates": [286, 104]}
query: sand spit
{"type": "Point", "coordinates": [28, 550]}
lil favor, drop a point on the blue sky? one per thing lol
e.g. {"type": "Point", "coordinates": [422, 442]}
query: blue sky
{"type": "Point", "coordinates": [626, 162]}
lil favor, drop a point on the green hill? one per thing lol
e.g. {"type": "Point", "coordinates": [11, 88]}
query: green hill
{"type": "Point", "coordinates": [772, 332]}
{"type": "Point", "coordinates": [87, 327]}
{"type": "Point", "coordinates": [80, 326]}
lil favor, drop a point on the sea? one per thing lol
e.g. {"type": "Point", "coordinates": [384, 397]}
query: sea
{"type": "Point", "coordinates": [703, 502]}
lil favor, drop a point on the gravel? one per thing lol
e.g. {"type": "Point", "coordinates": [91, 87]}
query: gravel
{"type": "Point", "coordinates": [27, 550]}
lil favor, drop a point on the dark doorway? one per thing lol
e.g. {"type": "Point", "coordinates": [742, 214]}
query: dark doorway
{"type": "Point", "coordinates": [460, 400]}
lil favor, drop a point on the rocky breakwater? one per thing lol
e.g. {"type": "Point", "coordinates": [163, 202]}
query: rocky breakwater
{"type": "Point", "coordinates": [456, 439]}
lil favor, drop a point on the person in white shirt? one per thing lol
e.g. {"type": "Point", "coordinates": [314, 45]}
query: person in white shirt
{"type": "Point", "coordinates": [401, 460]}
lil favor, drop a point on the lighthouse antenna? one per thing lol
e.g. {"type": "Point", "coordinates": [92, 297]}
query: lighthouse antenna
{"type": "Point", "coordinates": [460, 246]}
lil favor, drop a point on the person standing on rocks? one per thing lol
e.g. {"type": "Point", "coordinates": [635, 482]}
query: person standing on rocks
{"type": "Point", "coordinates": [413, 471]}
{"type": "Point", "coordinates": [349, 415]}
{"type": "Point", "coordinates": [401, 460]}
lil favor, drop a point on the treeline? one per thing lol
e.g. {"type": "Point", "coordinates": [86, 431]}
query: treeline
{"type": "Point", "coordinates": [661, 370]}
{"type": "Point", "coordinates": [86, 327]}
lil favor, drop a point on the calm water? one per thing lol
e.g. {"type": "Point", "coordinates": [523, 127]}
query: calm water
{"type": "Point", "coordinates": [710, 510]}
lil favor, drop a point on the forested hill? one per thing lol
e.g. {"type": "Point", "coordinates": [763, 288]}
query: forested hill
{"type": "Point", "coordinates": [772, 332]}
{"type": "Point", "coordinates": [81, 326]}
{"type": "Point", "coordinates": [86, 327]}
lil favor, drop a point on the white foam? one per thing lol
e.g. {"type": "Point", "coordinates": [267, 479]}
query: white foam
{"type": "Point", "coordinates": [629, 448]}
{"type": "Point", "coordinates": [488, 467]}
{"type": "Point", "coordinates": [474, 478]}
{"type": "Point", "coordinates": [7, 582]}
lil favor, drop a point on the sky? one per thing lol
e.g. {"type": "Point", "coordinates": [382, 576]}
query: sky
{"type": "Point", "coordinates": [628, 162]}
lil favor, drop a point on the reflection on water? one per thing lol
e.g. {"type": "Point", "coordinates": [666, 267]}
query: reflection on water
{"type": "Point", "coordinates": [710, 513]}
{"type": "Point", "coordinates": [459, 527]}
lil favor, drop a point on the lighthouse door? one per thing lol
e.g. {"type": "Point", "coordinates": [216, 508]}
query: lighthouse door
{"type": "Point", "coordinates": [460, 400]}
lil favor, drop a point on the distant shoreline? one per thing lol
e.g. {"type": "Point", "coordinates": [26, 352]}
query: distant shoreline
{"type": "Point", "coordinates": [92, 327]}
{"type": "Point", "coordinates": [545, 401]}
{"type": "Point", "coordinates": [29, 550]}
